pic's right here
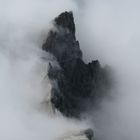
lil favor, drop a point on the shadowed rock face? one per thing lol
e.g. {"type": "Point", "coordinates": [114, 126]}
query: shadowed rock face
{"type": "Point", "coordinates": [66, 20]}
{"type": "Point", "coordinates": [77, 85]}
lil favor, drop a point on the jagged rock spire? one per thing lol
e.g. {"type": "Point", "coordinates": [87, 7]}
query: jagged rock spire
{"type": "Point", "coordinates": [78, 85]}
{"type": "Point", "coordinates": [66, 20]}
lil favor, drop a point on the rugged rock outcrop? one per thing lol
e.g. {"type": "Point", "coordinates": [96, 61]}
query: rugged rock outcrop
{"type": "Point", "coordinates": [77, 85]}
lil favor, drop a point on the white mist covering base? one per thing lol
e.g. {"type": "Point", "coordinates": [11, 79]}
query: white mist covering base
{"type": "Point", "coordinates": [76, 135]}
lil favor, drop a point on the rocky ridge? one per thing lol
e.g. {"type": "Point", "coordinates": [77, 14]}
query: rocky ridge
{"type": "Point", "coordinates": [77, 85]}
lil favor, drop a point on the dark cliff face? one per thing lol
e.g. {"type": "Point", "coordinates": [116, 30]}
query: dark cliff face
{"type": "Point", "coordinates": [77, 84]}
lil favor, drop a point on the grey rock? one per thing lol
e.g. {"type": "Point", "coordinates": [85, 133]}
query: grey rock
{"type": "Point", "coordinates": [79, 85]}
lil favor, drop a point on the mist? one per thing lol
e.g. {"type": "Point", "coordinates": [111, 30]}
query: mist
{"type": "Point", "coordinates": [24, 85]}
{"type": "Point", "coordinates": [108, 30]}
{"type": "Point", "coordinates": [112, 36]}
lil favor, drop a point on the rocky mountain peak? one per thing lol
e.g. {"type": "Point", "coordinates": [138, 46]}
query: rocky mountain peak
{"type": "Point", "coordinates": [77, 85]}
{"type": "Point", "coordinates": [66, 20]}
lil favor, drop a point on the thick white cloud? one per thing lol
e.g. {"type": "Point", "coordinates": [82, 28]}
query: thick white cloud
{"type": "Point", "coordinates": [108, 30]}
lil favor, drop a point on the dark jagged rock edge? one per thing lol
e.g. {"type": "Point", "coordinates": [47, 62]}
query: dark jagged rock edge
{"type": "Point", "coordinates": [78, 85]}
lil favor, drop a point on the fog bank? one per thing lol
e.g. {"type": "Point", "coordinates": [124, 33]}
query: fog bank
{"type": "Point", "coordinates": [108, 30]}
{"type": "Point", "coordinates": [112, 35]}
